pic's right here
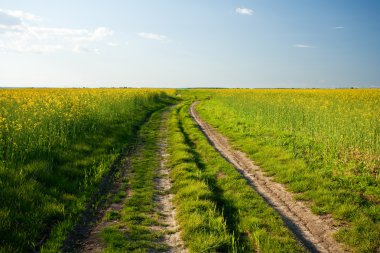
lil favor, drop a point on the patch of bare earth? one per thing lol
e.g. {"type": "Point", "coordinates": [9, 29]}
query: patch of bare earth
{"type": "Point", "coordinates": [164, 199]}
{"type": "Point", "coordinates": [314, 232]}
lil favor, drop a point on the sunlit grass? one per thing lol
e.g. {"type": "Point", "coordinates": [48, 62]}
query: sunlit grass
{"type": "Point", "coordinates": [215, 202]}
{"type": "Point", "coordinates": [323, 144]}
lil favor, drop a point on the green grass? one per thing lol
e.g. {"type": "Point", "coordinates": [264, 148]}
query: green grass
{"type": "Point", "coordinates": [132, 232]}
{"type": "Point", "coordinates": [203, 227]}
{"type": "Point", "coordinates": [327, 155]}
{"type": "Point", "coordinates": [57, 145]}
{"type": "Point", "coordinates": [234, 210]}
{"type": "Point", "coordinates": [45, 187]}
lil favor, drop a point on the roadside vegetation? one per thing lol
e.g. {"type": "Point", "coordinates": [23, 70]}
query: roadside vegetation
{"type": "Point", "coordinates": [324, 145]}
{"type": "Point", "coordinates": [217, 210]}
{"type": "Point", "coordinates": [55, 146]}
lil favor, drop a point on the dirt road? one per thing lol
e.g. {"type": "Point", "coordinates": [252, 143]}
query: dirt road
{"type": "Point", "coordinates": [165, 211]}
{"type": "Point", "coordinates": [164, 198]}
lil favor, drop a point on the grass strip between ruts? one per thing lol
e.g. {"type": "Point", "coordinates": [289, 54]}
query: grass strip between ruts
{"type": "Point", "coordinates": [132, 232]}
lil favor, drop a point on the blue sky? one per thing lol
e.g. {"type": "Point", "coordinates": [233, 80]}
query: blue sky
{"type": "Point", "coordinates": [162, 43]}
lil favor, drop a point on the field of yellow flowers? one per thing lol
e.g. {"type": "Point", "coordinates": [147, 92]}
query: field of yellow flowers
{"type": "Point", "coordinates": [324, 145]}
{"type": "Point", "coordinates": [55, 146]}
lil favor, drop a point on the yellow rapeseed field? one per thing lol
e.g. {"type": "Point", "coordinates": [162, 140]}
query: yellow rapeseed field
{"type": "Point", "coordinates": [41, 118]}
{"type": "Point", "coordinates": [55, 146]}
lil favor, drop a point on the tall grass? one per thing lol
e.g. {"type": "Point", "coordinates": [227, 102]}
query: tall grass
{"type": "Point", "coordinates": [55, 145]}
{"type": "Point", "coordinates": [35, 121]}
{"type": "Point", "coordinates": [324, 144]}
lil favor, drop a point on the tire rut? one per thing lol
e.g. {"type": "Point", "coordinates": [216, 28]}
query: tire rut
{"type": "Point", "coordinates": [84, 237]}
{"type": "Point", "coordinates": [313, 232]}
{"type": "Point", "coordinates": [93, 243]}
{"type": "Point", "coordinates": [164, 198]}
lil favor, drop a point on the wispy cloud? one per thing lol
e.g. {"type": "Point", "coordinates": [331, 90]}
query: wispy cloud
{"type": "Point", "coordinates": [153, 36]}
{"type": "Point", "coordinates": [20, 15]}
{"type": "Point", "coordinates": [84, 49]}
{"type": "Point", "coordinates": [244, 11]}
{"type": "Point", "coordinates": [19, 32]}
{"type": "Point", "coordinates": [338, 27]}
{"type": "Point", "coordinates": [303, 46]}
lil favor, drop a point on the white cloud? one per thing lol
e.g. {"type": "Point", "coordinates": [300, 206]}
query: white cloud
{"type": "Point", "coordinates": [153, 36]}
{"type": "Point", "coordinates": [244, 11]}
{"type": "Point", "coordinates": [21, 15]}
{"type": "Point", "coordinates": [18, 33]}
{"type": "Point", "coordinates": [24, 47]}
{"type": "Point", "coordinates": [7, 20]}
{"type": "Point", "coordinates": [338, 27]}
{"type": "Point", "coordinates": [85, 49]}
{"type": "Point", "coordinates": [302, 46]}
{"type": "Point", "coordinates": [100, 33]}
{"type": "Point", "coordinates": [48, 32]}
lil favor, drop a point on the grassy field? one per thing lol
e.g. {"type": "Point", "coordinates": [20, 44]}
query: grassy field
{"type": "Point", "coordinates": [55, 146]}
{"type": "Point", "coordinates": [217, 209]}
{"type": "Point", "coordinates": [323, 144]}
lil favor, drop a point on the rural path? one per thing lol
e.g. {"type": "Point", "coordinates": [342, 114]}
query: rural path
{"type": "Point", "coordinates": [315, 233]}
{"type": "Point", "coordinates": [164, 198]}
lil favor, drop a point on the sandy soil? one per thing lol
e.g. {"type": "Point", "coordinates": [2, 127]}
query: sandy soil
{"type": "Point", "coordinates": [165, 199]}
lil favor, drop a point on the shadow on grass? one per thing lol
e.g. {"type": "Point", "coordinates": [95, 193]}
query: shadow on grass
{"type": "Point", "coordinates": [223, 205]}
{"type": "Point", "coordinates": [48, 191]}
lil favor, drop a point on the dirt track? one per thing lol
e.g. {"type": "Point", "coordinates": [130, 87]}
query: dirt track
{"type": "Point", "coordinates": [165, 199]}
{"type": "Point", "coordinates": [171, 233]}
{"type": "Point", "coordinates": [313, 232]}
